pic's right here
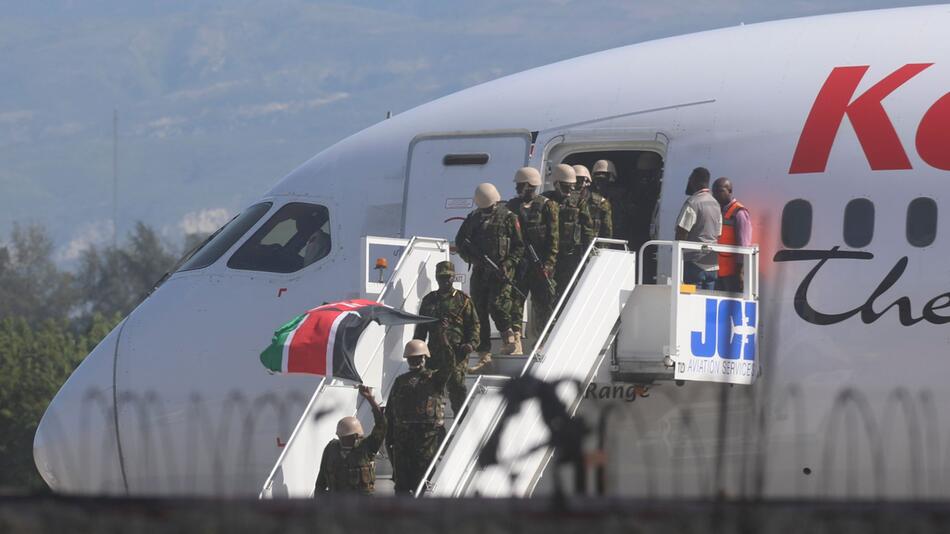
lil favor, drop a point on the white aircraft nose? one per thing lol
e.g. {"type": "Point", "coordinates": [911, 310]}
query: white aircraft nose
{"type": "Point", "coordinates": [75, 447]}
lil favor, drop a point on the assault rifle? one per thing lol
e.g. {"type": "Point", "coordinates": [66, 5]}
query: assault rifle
{"type": "Point", "coordinates": [487, 262]}
{"type": "Point", "coordinates": [533, 257]}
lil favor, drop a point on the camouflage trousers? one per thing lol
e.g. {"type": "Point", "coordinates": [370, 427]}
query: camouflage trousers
{"type": "Point", "coordinates": [533, 283]}
{"type": "Point", "coordinates": [414, 447]}
{"type": "Point", "coordinates": [492, 298]}
{"type": "Point", "coordinates": [455, 387]}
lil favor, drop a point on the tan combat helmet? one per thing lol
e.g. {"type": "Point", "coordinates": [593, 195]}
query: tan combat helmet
{"type": "Point", "coordinates": [348, 426]}
{"type": "Point", "coordinates": [605, 166]}
{"type": "Point", "coordinates": [486, 195]}
{"type": "Point", "coordinates": [416, 347]}
{"type": "Point", "coordinates": [649, 161]}
{"type": "Point", "coordinates": [528, 175]}
{"type": "Point", "coordinates": [564, 174]}
{"type": "Point", "coordinates": [582, 173]}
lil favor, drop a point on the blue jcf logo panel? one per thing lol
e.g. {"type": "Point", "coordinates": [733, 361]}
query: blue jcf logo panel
{"type": "Point", "coordinates": [730, 330]}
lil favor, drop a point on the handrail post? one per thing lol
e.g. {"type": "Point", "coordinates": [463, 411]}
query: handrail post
{"type": "Point", "coordinates": [455, 422]}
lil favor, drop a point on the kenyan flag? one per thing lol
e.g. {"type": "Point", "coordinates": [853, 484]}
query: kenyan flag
{"type": "Point", "coordinates": [322, 341]}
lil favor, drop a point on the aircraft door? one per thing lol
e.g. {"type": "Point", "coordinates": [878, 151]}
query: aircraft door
{"type": "Point", "coordinates": [445, 169]}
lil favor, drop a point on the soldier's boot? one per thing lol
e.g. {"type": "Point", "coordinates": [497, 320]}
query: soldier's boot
{"type": "Point", "coordinates": [508, 336]}
{"type": "Point", "coordinates": [484, 358]}
{"type": "Point", "coordinates": [517, 350]}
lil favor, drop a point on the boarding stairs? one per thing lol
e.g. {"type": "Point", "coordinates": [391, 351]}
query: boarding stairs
{"type": "Point", "coordinates": [611, 312]}
{"type": "Point", "coordinates": [641, 328]}
{"type": "Point", "coordinates": [378, 358]}
{"type": "Point", "coordinates": [571, 346]}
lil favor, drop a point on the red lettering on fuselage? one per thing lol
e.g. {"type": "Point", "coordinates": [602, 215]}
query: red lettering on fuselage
{"type": "Point", "coordinates": [871, 124]}
{"type": "Point", "coordinates": [933, 134]}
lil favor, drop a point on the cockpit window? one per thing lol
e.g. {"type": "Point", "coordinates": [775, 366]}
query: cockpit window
{"type": "Point", "coordinates": [222, 240]}
{"type": "Point", "coordinates": [296, 236]}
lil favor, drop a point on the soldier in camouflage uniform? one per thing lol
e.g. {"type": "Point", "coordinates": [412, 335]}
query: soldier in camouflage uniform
{"type": "Point", "coordinates": [622, 198]}
{"type": "Point", "coordinates": [601, 212]}
{"type": "Point", "coordinates": [538, 216]}
{"type": "Point", "coordinates": [576, 228]}
{"type": "Point", "coordinates": [348, 464]}
{"type": "Point", "coordinates": [454, 336]}
{"type": "Point", "coordinates": [417, 414]}
{"type": "Point", "coordinates": [491, 232]}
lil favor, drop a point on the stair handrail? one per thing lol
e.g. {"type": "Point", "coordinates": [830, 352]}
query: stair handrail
{"type": "Point", "coordinates": [390, 283]}
{"type": "Point", "coordinates": [750, 291]}
{"type": "Point", "coordinates": [534, 356]}
{"type": "Point", "coordinates": [280, 459]}
{"type": "Point", "coordinates": [475, 390]}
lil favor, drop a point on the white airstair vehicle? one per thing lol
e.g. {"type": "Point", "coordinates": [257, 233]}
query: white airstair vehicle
{"type": "Point", "coordinates": [649, 328]}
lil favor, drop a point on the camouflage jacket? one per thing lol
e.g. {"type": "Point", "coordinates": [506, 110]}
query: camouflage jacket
{"type": "Point", "coordinates": [355, 471]}
{"type": "Point", "coordinates": [495, 233]}
{"type": "Point", "coordinates": [457, 324]}
{"type": "Point", "coordinates": [601, 213]}
{"type": "Point", "coordinates": [416, 399]}
{"type": "Point", "coordinates": [575, 223]}
{"type": "Point", "coordinates": [539, 226]}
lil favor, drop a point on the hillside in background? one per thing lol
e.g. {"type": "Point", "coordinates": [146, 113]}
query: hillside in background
{"type": "Point", "coordinates": [218, 100]}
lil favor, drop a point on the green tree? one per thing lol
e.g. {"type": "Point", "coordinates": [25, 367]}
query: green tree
{"type": "Point", "coordinates": [36, 360]}
{"type": "Point", "coordinates": [32, 287]}
{"type": "Point", "coordinates": [51, 319]}
{"type": "Point", "coordinates": [115, 280]}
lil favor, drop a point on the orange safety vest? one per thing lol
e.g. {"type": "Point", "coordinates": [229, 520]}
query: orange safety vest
{"type": "Point", "coordinates": [728, 265]}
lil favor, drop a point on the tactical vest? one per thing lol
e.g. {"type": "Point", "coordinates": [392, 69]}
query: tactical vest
{"type": "Point", "coordinates": [572, 237]}
{"type": "Point", "coordinates": [533, 227]}
{"type": "Point", "coordinates": [728, 265]}
{"type": "Point", "coordinates": [595, 203]}
{"type": "Point", "coordinates": [492, 233]}
{"type": "Point", "coordinates": [448, 308]}
{"type": "Point", "coordinates": [350, 473]}
{"type": "Point", "coordinates": [418, 403]}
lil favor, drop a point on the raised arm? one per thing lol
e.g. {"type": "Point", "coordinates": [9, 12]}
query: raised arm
{"type": "Point", "coordinates": [375, 439]}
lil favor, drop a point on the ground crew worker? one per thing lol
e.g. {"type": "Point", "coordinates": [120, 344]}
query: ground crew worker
{"type": "Point", "coordinates": [348, 464]}
{"type": "Point", "coordinates": [538, 216]}
{"type": "Point", "coordinates": [490, 238]}
{"type": "Point", "coordinates": [736, 230]}
{"type": "Point", "coordinates": [454, 336]}
{"type": "Point", "coordinates": [576, 229]}
{"type": "Point", "coordinates": [417, 414]}
{"type": "Point", "coordinates": [699, 220]}
{"type": "Point", "coordinates": [601, 212]}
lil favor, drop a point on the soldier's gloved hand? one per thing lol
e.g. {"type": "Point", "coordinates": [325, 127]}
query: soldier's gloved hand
{"type": "Point", "coordinates": [465, 349]}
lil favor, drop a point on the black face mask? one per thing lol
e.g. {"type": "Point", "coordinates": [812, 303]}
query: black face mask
{"type": "Point", "coordinates": [445, 283]}
{"type": "Point", "coordinates": [416, 363]}
{"type": "Point", "coordinates": [526, 192]}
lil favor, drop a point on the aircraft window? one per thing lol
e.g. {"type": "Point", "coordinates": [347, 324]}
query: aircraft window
{"type": "Point", "coordinates": [921, 221]}
{"type": "Point", "coordinates": [219, 242]}
{"type": "Point", "coordinates": [796, 223]}
{"type": "Point", "coordinates": [858, 222]}
{"type": "Point", "coordinates": [296, 236]}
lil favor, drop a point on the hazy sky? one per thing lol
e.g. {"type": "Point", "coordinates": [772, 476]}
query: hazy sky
{"type": "Point", "coordinates": [217, 100]}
